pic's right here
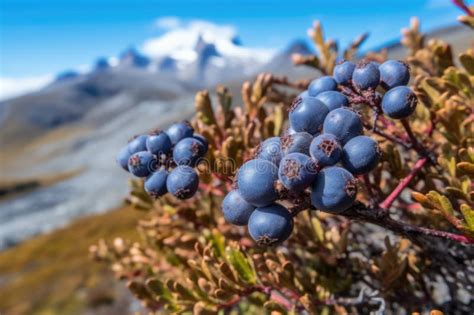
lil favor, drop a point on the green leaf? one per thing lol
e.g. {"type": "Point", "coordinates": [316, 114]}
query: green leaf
{"type": "Point", "coordinates": [240, 263]}
{"type": "Point", "coordinates": [468, 214]}
{"type": "Point", "coordinates": [157, 287]}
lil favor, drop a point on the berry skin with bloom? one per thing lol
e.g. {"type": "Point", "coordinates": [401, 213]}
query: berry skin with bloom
{"type": "Point", "coordinates": [270, 150]}
{"type": "Point", "coordinates": [202, 139]}
{"type": "Point", "coordinates": [236, 210]}
{"type": "Point", "coordinates": [360, 155]}
{"type": "Point", "coordinates": [322, 84]}
{"type": "Point", "coordinates": [297, 142]}
{"type": "Point", "coordinates": [142, 164]}
{"type": "Point", "coordinates": [122, 158]}
{"type": "Point", "coordinates": [270, 225]}
{"type": "Point", "coordinates": [333, 99]}
{"type": "Point", "coordinates": [182, 182]}
{"type": "Point", "coordinates": [256, 182]}
{"type": "Point", "coordinates": [334, 190]}
{"type": "Point", "coordinates": [366, 75]}
{"type": "Point", "coordinates": [344, 123]}
{"type": "Point", "coordinates": [399, 102]}
{"type": "Point", "coordinates": [179, 131]}
{"type": "Point", "coordinates": [394, 73]}
{"type": "Point", "coordinates": [297, 171]}
{"type": "Point", "coordinates": [158, 143]}
{"type": "Point", "coordinates": [325, 149]}
{"type": "Point", "coordinates": [137, 144]}
{"type": "Point", "coordinates": [188, 151]}
{"type": "Point", "coordinates": [307, 114]}
{"type": "Point", "coordinates": [343, 72]}
{"type": "Point", "coordinates": [155, 184]}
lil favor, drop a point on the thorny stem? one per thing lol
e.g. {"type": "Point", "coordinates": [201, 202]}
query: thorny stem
{"type": "Point", "coordinates": [387, 203]}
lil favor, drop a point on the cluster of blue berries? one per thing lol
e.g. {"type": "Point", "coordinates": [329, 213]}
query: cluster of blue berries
{"type": "Point", "coordinates": [167, 160]}
{"type": "Point", "coordinates": [322, 152]}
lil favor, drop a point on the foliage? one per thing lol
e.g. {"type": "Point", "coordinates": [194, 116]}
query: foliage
{"type": "Point", "coordinates": [190, 260]}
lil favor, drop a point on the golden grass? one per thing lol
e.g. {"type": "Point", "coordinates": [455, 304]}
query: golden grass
{"type": "Point", "coordinates": [52, 274]}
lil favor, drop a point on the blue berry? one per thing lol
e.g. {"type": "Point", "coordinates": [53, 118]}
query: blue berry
{"type": "Point", "coordinates": [270, 150]}
{"type": "Point", "coordinates": [179, 131]}
{"type": "Point", "coordinates": [158, 143]}
{"type": "Point", "coordinates": [235, 209]}
{"type": "Point", "coordinates": [203, 140]}
{"type": "Point", "coordinates": [333, 99]}
{"type": "Point", "coordinates": [366, 75]}
{"type": "Point", "coordinates": [270, 225]}
{"type": "Point", "coordinates": [182, 182]}
{"type": "Point", "coordinates": [394, 73]}
{"type": "Point", "coordinates": [334, 190]}
{"type": "Point", "coordinates": [142, 164]}
{"type": "Point", "coordinates": [297, 171]}
{"type": "Point", "coordinates": [344, 123]}
{"type": "Point", "coordinates": [137, 144]}
{"type": "Point", "coordinates": [343, 72]}
{"type": "Point", "coordinates": [325, 149]}
{"type": "Point", "coordinates": [256, 182]}
{"type": "Point", "coordinates": [297, 142]}
{"type": "Point", "coordinates": [399, 102]}
{"type": "Point", "coordinates": [321, 84]}
{"type": "Point", "coordinates": [307, 114]}
{"type": "Point", "coordinates": [122, 158]}
{"type": "Point", "coordinates": [360, 155]}
{"type": "Point", "coordinates": [155, 184]}
{"type": "Point", "coordinates": [188, 151]}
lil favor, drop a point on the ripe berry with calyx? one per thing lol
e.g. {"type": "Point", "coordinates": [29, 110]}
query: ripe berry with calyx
{"type": "Point", "coordinates": [307, 114]}
{"type": "Point", "coordinates": [297, 171]}
{"type": "Point", "coordinates": [344, 123]}
{"type": "Point", "coordinates": [256, 182]}
{"type": "Point", "coordinates": [360, 155]}
{"type": "Point", "coordinates": [394, 73]}
{"type": "Point", "coordinates": [235, 209]}
{"type": "Point", "coordinates": [297, 142]}
{"type": "Point", "coordinates": [270, 150]}
{"type": "Point", "coordinates": [179, 131]}
{"type": "Point", "coordinates": [334, 190]}
{"type": "Point", "coordinates": [155, 184]}
{"type": "Point", "coordinates": [142, 164]}
{"type": "Point", "coordinates": [158, 143]}
{"type": "Point", "coordinates": [399, 102]}
{"type": "Point", "coordinates": [333, 99]}
{"type": "Point", "coordinates": [325, 149]}
{"type": "Point", "coordinates": [270, 225]}
{"type": "Point", "coordinates": [182, 182]}
{"type": "Point", "coordinates": [325, 83]}
{"type": "Point", "coordinates": [188, 151]}
{"type": "Point", "coordinates": [366, 76]}
{"type": "Point", "coordinates": [343, 72]}
{"type": "Point", "coordinates": [202, 139]}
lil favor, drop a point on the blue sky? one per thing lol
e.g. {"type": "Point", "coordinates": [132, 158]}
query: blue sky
{"type": "Point", "coordinates": [49, 36]}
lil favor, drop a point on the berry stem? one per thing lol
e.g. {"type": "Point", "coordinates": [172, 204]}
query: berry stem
{"type": "Point", "coordinates": [387, 203]}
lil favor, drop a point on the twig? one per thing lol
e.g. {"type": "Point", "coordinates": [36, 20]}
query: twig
{"type": "Point", "coordinates": [460, 4]}
{"type": "Point", "coordinates": [379, 217]}
{"type": "Point", "coordinates": [387, 203]}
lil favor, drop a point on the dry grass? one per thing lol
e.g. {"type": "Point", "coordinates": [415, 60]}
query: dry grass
{"type": "Point", "coordinates": [52, 274]}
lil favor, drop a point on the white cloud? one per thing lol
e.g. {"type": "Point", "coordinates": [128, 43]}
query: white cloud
{"type": "Point", "coordinates": [10, 87]}
{"type": "Point", "coordinates": [167, 22]}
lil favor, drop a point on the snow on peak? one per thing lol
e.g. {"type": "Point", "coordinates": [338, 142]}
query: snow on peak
{"type": "Point", "coordinates": [179, 42]}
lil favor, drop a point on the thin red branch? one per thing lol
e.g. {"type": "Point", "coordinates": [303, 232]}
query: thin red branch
{"type": "Point", "coordinates": [461, 5]}
{"type": "Point", "coordinates": [387, 203]}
